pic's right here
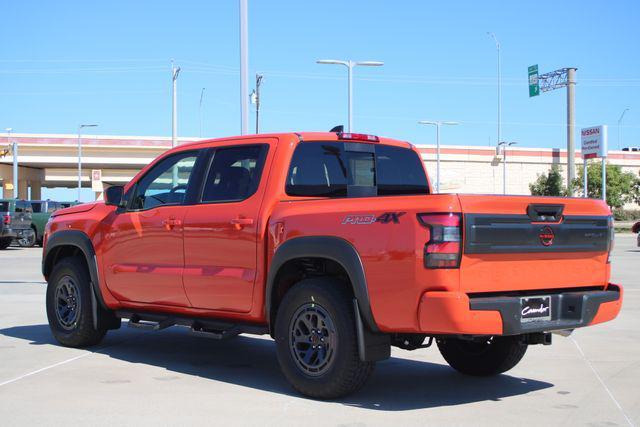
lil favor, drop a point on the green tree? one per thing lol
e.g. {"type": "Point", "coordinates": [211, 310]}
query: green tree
{"type": "Point", "coordinates": [549, 184]}
{"type": "Point", "coordinates": [622, 187]}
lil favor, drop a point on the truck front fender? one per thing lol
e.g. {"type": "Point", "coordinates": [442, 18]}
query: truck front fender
{"type": "Point", "coordinates": [74, 239]}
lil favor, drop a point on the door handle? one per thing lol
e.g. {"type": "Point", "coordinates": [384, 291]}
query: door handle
{"type": "Point", "coordinates": [238, 223]}
{"type": "Point", "coordinates": [169, 223]}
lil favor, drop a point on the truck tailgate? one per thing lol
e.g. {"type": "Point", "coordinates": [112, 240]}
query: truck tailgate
{"type": "Point", "coordinates": [521, 243]}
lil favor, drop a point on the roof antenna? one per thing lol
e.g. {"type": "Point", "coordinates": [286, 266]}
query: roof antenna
{"type": "Point", "coordinates": [337, 129]}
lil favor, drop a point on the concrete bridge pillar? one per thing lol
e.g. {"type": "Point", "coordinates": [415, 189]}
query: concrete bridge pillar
{"type": "Point", "coordinates": [23, 186]}
{"type": "Point", "coordinates": [36, 190]}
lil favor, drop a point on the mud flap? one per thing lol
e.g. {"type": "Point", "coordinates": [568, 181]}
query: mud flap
{"type": "Point", "coordinates": [372, 347]}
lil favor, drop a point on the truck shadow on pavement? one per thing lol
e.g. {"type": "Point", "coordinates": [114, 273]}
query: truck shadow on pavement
{"type": "Point", "coordinates": [397, 384]}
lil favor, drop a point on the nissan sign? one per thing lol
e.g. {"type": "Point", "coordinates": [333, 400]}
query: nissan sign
{"type": "Point", "coordinates": [594, 142]}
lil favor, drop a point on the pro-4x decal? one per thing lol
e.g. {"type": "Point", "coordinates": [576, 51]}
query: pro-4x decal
{"type": "Point", "coordinates": [365, 219]}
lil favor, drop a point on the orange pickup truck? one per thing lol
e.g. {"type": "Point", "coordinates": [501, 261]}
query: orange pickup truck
{"type": "Point", "coordinates": [334, 244]}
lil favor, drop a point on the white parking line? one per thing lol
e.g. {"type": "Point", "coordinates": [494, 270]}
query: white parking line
{"type": "Point", "coordinates": [45, 368]}
{"type": "Point", "coordinates": [615, 401]}
{"type": "Point", "coordinates": [64, 362]}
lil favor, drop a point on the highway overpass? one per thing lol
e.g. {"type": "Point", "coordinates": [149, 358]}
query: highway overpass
{"type": "Point", "coordinates": [51, 160]}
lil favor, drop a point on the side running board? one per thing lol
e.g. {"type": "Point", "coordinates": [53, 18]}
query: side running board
{"type": "Point", "coordinates": [136, 322]}
{"type": "Point", "coordinates": [210, 328]}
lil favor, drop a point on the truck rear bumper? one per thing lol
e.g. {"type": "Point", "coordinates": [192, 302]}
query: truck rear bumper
{"type": "Point", "coordinates": [8, 232]}
{"type": "Point", "coordinates": [457, 313]}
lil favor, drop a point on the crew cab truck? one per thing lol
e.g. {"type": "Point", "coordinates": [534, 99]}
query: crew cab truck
{"type": "Point", "coordinates": [333, 244]}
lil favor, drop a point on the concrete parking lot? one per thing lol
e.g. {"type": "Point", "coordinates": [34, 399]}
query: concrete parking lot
{"type": "Point", "coordinates": [174, 378]}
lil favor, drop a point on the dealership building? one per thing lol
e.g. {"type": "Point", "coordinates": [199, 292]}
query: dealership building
{"type": "Point", "coordinates": [52, 161]}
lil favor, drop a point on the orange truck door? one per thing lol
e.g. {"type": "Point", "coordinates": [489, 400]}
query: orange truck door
{"type": "Point", "coordinates": [221, 231]}
{"type": "Point", "coordinates": [143, 250]}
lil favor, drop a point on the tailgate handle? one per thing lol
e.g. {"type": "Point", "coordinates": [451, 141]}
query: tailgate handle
{"type": "Point", "coordinates": [545, 213]}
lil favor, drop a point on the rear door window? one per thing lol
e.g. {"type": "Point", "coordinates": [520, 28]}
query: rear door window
{"type": "Point", "coordinates": [234, 173]}
{"type": "Point", "coordinates": [336, 169]}
{"type": "Point", "coordinates": [4, 206]}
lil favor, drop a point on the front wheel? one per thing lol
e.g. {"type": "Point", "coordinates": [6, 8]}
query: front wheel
{"type": "Point", "coordinates": [69, 308]}
{"type": "Point", "coordinates": [485, 357]}
{"type": "Point", "coordinates": [316, 340]}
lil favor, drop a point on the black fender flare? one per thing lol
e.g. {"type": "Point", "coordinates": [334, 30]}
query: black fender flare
{"type": "Point", "coordinates": [333, 248]}
{"type": "Point", "coordinates": [82, 242]}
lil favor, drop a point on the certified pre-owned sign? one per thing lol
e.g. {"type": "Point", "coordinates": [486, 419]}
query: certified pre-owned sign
{"type": "Point", "coordinates": [594, 142]}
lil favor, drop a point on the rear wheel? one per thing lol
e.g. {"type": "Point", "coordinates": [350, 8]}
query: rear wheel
{"type": "Point", "coordinates": [486, 357]}
{"type": "Point", "coordinates": [28, 240]}
{"type": "Point", "coordinates": [69, 308]}
{"type": "Point", "coordinates": [5, 242]}
{"type": "Point", "coordinates": [316, 340]}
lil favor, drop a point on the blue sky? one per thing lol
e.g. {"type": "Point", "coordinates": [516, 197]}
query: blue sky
{"type": "Point", "coordinates": [71, 62]}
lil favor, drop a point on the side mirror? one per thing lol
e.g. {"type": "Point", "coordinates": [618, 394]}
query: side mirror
{"type": "Point", "coordinates": [114, 195]}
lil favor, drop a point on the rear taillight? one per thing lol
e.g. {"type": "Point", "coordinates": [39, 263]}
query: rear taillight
{"type": "Point", "coordinates": [443, 249]}
{"type": "Point", "coordinates": [6, 219]}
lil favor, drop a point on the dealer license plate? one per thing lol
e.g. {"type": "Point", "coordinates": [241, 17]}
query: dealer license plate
{"type": "Point", "coordinates": [535, 309]}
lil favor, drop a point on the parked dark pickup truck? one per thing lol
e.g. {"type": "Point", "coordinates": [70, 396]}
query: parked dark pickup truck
{"type": "Point", "coordinates": [16, 220]}
{"type": "Point", "coordinates": [42, 210]}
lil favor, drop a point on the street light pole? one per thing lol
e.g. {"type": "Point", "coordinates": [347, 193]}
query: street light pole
{"type": "Point", "coordinates": [257, 100]}
{"type": "Point", "coordinates": [619, 123]}
{"type": "Point", "coordinates": [437, 124]}
{"type": "Point", "coordinates": [495, 39]}
{"type": "Point", "coordinates": [244, 67]}
{"type": "Point", "coordinates": [350, 65]}
{"type": "Point", "coordinates": [504, 146]}
{"type": "Point", "coordinates": [174, 107]}
{"type": "Point", "coordinates": [200, 109]}
{"type": "Point", "coordinates": [80, 127]}
{"type": "Point", "coordinates": [14, 154]}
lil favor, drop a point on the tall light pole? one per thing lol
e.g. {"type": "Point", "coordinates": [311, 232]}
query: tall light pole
{"type": "Point", "coordinates": [437, 124]}
{"type": "Point", "coordinates": [495, 39]}
{"type": "Point", "coordinates": [14, 154]}
{"type": "Point", "coordinates": [504, 146]}
{"type": "Point", "coordinates": [255, 98]}
{"type": "Point", "coordinates": [244, 67]}
{"type": "Point", "coordinates": [350, 65]}
{"type": "Point", "coordinates": [80, 127]}
{"type": "Point", "coordinates": [200, 109]}
{"type": "Point", "coordinates": [619, 129]}
{"type": "Point", "coordinates": [174, 106]}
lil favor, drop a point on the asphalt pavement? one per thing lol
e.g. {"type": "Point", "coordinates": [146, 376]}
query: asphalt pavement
{"type": "Point", "coordinates": [173, 378]}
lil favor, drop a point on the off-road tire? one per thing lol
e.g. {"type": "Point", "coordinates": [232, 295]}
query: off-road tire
{"type": "Point", "coordinates": [5, 242]}
{"type": "Point", "coordinates": [80, 332]}
{"type": "Point", "coordinates": [345, 373]}
{"type": "Point", "coordinates": [24, 243]}
{"type": "Point", "coordinates": [491, 357]}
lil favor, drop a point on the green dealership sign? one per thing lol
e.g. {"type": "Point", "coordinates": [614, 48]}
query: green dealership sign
{"type": "Point", "coordinates": [534, 87]}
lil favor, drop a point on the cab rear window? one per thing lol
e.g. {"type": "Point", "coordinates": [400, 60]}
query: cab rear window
{"type": "Point", "coordinates": [337, 169]}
